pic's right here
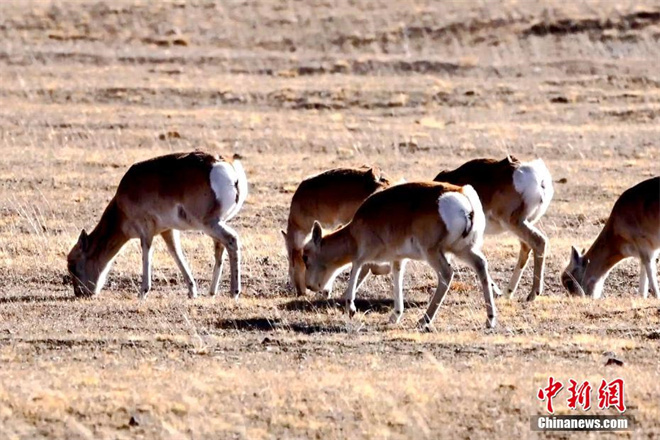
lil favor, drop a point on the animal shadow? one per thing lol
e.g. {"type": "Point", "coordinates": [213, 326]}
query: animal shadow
{"type": "Point", "coordinates": [362, 305]}
{"type": "Point", "coordinates": [36, 299]}
{"type": "Point", "coordinates": [268, 325]}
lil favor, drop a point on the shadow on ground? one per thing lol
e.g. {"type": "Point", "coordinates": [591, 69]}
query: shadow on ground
{"type": "Point", "coordinates": [266, 325]}
{"type": "Point", "coordinates": [362, 305]}
{"type": "Point", "coordinates": [36, 299]}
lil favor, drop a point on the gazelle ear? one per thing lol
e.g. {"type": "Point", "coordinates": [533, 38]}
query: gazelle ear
{"type": "Point", "coordinates": [375, 173]}
{"type": "Point", "coordinates": [83, 240]}
{"type": "Point", "coordinates": [575, 255]}
{"type": "Point", "coordinates": [283, 233]}
{"type": "Point", "coordinates": [317, 233]}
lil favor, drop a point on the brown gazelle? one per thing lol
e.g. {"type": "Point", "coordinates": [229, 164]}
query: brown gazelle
{"type": "Point", "coordinates": [331, 198]}
{"type": "Point", "coordinates": [514, 196]}
{"type": "Point", "coordinates": [162, 196]}
{"type": "Point", "coordinates": [421, 221]}
{"type": "Point", "coordinates": [632, 230]}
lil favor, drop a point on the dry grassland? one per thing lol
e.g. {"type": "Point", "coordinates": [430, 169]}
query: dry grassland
{"type": "Point", "coordinates": [89, 87]}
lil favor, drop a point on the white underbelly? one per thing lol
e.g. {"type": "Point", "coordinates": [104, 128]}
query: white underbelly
{"type": "Point", "coordinates": [409, 250]}
{"type": "Point", "coordinates": [177, 218]}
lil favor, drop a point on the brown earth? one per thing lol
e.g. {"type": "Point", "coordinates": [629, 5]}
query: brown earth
{"type": "Point", "coordinates": [87, 88]}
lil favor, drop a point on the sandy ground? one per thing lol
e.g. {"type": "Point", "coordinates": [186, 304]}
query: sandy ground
{"type": "Point", "coordinates": [88, 88]}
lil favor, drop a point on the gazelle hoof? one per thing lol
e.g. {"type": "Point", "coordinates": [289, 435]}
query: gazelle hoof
{"type": "Point", "coordinates": [491, 322]}
{"type": "Point", "coordinates": [350, 308]}
{"type": "Point", "coordinates": [424, 326]}
{"type": "Point", "coordinates": [395, 317]}
{"type": "Point", "coordinates": [532, 296]}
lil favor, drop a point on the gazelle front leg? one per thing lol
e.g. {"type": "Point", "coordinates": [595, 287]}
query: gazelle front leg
{"type": "Point", "coordinates": [229, 239]}
{"type": "Point", "coordinates": [171, 238]}
{"type": "Point", "coordinates": [368, 270]}
{"type": "Point", "coordinates": [398, 268]}
{"type": "Point", "coordinates": [349, 295]}
{"type": "Point", "coordinates": [147, 252]}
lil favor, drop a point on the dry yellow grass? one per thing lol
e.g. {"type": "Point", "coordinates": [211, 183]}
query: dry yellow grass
{"type": "Point", "coordinates": [87, 88]}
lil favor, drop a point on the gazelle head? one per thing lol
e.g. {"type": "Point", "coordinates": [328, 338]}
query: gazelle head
{"type": "Point", "coordinates": [320, 270]}
{"type": "Point", "coordinates": [84, 279]}
{"type": "Point", "coordinates": [573, 276]}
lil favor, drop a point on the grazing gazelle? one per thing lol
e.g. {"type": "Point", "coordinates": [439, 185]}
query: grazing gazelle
{"type": "Point", "coordinates": [632, 230]}
{"type": "Point", "coordinates": [420, 221]}
{"type": "Point", "coordinates": [162, 196]}
{"type": "Point", "coordinates": [331, 198]}
{"type": "Point", "coordinates": [514, 196]}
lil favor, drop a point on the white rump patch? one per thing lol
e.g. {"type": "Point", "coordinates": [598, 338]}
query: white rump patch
{"type": "Point", "coordinates": [479, 217]}
{"type": "Point", "coordinates": [230, 187]}
{"type": "Point", "coordinates": [242, 188]}
{"type": "Point", "coordinates": [533, 182]}
{"type": "Point", "coordinates": [463, 216]}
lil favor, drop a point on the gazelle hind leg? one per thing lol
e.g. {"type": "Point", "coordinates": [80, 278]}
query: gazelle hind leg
{"type": "Point", "coordinates": [171, 238]}
{"type": "Point", "coordinates": [649, 265]}
{"type": "Point", "coordinates": [229, 239]}
{"type": "Point", "coordinates": [445, 274]}
{"type": "Point", "coordinates": [218, 253]}
{"type": "Point", "coordinates": [478, 262]}
{"type": "Point", "coordinates": [537, 242]}
{"type": "Point", "coordinates": [523, 257]}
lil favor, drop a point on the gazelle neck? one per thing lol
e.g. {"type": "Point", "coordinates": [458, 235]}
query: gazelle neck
{"type": "Point", "coordinates": [339, 247]}
{"type": "Point", "coordinates": [105, 241]}
{"type": "Point", "coordinates": [601, 257]}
